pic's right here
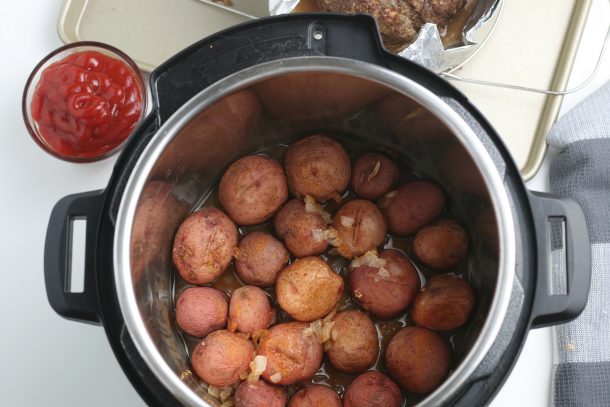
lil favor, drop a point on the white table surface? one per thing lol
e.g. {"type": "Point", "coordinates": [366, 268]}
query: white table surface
{"type": "Point", "coordinates": [48, 361]}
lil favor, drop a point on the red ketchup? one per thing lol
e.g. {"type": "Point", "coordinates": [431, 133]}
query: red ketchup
{"type": "Point", "coordinates": [86, 104]}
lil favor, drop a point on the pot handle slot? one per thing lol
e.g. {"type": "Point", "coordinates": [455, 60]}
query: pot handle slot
{"type": "Point", "coordinates": [267, 39]}
{"type": "Point", "coordinates": [81, 306]}
{"type": "Point", "coordinates": [564, 260]}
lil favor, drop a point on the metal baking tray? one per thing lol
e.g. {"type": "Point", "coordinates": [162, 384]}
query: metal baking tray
{"type": "Point", "coordinates": [536, 48]}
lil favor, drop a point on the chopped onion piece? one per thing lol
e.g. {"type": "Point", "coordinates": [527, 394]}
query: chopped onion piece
{"type": "Point", "coordinates": [214, 391]}
{"type": "Point", "coordinates": [312, 206]}
{"type": "Point", "coordinates": [347, 221]}
{"type": "Point", "coordinates": [375, 171]}
{"type": "Point", "coordinates": [257, 367]}
{"type": "Point", "coordinates": [275, 378]}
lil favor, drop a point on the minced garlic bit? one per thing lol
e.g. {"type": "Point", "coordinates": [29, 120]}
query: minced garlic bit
{"type": "Point", "coordinates": [276, 378]}
{"type": "Point", "coordinates": [357, 293]}
{"type": "Point", "coordinates": [347, 221]}
{"type": "Point", "coordinates": [322, 328]}
{"type": "Point", "coordinates": [257, 367]}
{"type": "Point", "coordinates": [214, 391]}
{"type": "Point", "coordinates": [375, 171]}
{"type": "Point", "coordinates": [185, 374]}
{"type": "Point", "coordinates": [312, 206]}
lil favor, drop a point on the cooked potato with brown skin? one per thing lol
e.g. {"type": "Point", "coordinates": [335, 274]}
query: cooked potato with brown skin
{"type": "Point", "coordinates": [353, 346]}
{"type": "Point", "coordinates": [201, 310]}
{"type": "Point", "coordinates": [259, 394]}
{"type": "Point", "coordinates": [417, 359]}
{"type": "Point", "coordinates": [318, 166]}
{"type": "Point", "coordinates": [252, 189]}
{"type": "Point", "coordinates": [372, 389]}
{"type": "Point", "coordinates": [441, 245]}
{"type": "Point", "coordinates": [373, 175]}
{"type": "Point", "coordinates": [301, 230]}
{"type": "Point", "coordinates": [293, 353]}
{"type": "Point", "coordinates": [204, 245]}
{"type": "Point", "coordinates": [249, 310]}
{"type": "Point", "coordinates": [443, 304]}
{"type": "Point", "coordinates": [222, 357]}
{"type": "Point", "coordinates": [260, 257]}
{"type": "Point", "coordinates": [315, 395]}
{"type": "Point", "coordinates": [412, 206]}
{"type": "Point", "coordinates": [308, 289]}
{"type": "Point", "coordinates": [385, 291]}
{"type": "Point", "coordinates": [360, 227]}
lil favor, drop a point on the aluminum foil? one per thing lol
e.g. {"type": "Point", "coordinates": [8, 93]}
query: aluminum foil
{"type": "Point", "coordinates": [428, 49]}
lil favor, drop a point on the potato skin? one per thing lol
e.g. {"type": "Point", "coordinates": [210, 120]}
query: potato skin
{"type": "Point", "coordinates": [360, 226]}
{"type": "Point", "coordinates": [353, 346]}
{"type": "Point", "coordinates": [318, 166]}
{"type": "Point", "coordinates": [308, 289]}
{"type": "Point", "coordinates": [296, 227]}
{"type": "Point", "coordinates": [260, 258]}
{"type": "Point", "coordinates": [315, 395]}
{"type": "Point", "coordinates": [412, 206]}
{"type": "Point", "coordinates": [292, 351]}
{"type": "Point", "coordinates": [417, 359]}
{"type": "Point", "coordinates": [444, 303]}
{"type": "Point", "coordinates": [249, 310]}
{"type": "Point", "coordinates": [372, 389]}
{"type": "Point", "coordinates": [259, 394]}
{"type": "Point", "coordinates": [204, 245]}
{"type": "Point", "coordinates": [385, 296]}
{"type": "Point", "coordinates": [373, 175]}
{"type": "Point", "coordinates": [221, 357]}
{"type": "Point", "coordinates": [252, 189]}
{"type": "Point", "coordinates": [441, 245]}
{"type": "Point", "coordinates": [201, 310]}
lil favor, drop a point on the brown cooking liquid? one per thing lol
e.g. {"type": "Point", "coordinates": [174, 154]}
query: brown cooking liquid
{"type": "Point", "coordinates": [386, 329]}
{"type": "Point", "coordinates": [451, 34]}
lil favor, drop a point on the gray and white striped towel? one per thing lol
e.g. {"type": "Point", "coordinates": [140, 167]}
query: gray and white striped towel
{"type": "Point", "coordinates": [582, 171]}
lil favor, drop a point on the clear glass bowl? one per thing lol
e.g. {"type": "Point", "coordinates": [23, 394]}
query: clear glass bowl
{"type": "Point", "coordinates": [56, 56]}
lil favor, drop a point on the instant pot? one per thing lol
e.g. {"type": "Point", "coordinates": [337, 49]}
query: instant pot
{"type": "Point", "coordinates": [267, 83]}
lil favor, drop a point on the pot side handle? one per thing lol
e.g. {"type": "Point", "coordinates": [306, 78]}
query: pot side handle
{"type": "Point", "coordinates": [81, 306]}
{"type": "Point", "coordinates": [266, 39]}
{"type": "Point", "coordinates": [561, 231]}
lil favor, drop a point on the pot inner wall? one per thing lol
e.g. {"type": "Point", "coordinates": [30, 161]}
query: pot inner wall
{"type": "Point", "coordinates": [363, 116]}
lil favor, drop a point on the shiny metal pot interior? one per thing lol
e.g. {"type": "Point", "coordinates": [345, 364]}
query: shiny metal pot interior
{"type": "Point", "coordinates": [277, 102]}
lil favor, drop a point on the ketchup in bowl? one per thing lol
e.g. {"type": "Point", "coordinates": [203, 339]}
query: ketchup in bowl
{"type": "Point", "coordinates": [84, 104]}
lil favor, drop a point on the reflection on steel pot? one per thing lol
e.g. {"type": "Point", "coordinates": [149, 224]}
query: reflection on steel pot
{"type": "Point", "coordinates": [208, 112]}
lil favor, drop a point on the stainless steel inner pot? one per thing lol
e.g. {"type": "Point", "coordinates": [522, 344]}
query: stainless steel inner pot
{"type": "Point", "coordinates": [278, 102]}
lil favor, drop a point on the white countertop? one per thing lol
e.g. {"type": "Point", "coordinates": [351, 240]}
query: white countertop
{"type": "Point", "coordinates": [47, 360]}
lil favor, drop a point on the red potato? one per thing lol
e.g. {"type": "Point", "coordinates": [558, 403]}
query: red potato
{"type": "Point", "coordinates": [445, 303]}
{"type": "Point", "coordinates": [373, 175]}
{"type": "Point", "coordinates": [222, 357]}
{"type": "Point", "coordinates": [252, 189]}
{"type": "Point", "coordinates": [293, 353]}
{"type": "Point", "coordinates": [412, 206]}
{"type": "Point", "coordinates": [372, 389]}
{"type": "Point", "coordinates": [441, 245]}
{"type": "Point", "coordinates": [249, 310]}
{"type": "Point", "coordinates": [360, 227]}
{"type": "Point", "coordinates": [302, 231]}
{"type": "Point", "coordinates": [260, 257]}
{"type": "Point", "coordinates": [318, 166]}
{"type": "Point", "coordinates": [259, 394]}
{"type": "Point", "coordinates": [353, 346]}
{"type": "Point", "coordinates": [201, 310]}
{"type": "Point", "coordinates": [315, 395]}
{"type": "Point", "coordinates": [204, 245]}
{"type": "Point", "coordinates": [417, 359]}
{"type": "Point", "coordinates": [384, 285]}
{"type": "Point", "coordinates": [308, 289]}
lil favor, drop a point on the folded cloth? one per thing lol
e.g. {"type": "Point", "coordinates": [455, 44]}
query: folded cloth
{"type": "Point", "coordinates": [581, 171]}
